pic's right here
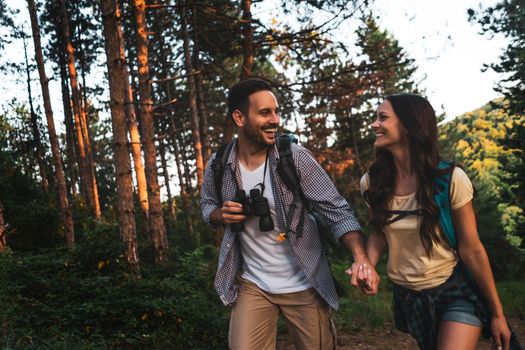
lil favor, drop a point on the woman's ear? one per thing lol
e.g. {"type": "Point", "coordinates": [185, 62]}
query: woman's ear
{"type": "Point", "coordinates": [238, 118]}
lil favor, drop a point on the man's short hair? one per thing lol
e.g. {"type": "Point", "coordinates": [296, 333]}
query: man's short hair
{"type": "Point", "coordinates": [239, 93]}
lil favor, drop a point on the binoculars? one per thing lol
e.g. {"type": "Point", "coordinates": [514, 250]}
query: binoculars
{"type": "Point", "coordinates": [255, 205]}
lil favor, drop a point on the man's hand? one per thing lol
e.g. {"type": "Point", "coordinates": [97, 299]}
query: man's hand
{"type": "Point", "coordinates": [362, 272]}
{"type": "Point", "coordinates": [229, 213]}
{"type": "Point", "coordinates": [364, 276]}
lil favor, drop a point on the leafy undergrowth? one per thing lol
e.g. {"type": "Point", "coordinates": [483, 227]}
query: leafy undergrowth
{"type": "Point", "coordinates": [87, 300]}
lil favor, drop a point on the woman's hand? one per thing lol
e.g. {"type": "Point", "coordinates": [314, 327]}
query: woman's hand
{"type": "Point", "coordinates": [500, 332]}
{"type": "Point", "coordinates": [365, 277]}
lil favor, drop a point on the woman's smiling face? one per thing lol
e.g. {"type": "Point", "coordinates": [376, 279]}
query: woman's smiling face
{"type": "Point", "coordinates": [388, 128]}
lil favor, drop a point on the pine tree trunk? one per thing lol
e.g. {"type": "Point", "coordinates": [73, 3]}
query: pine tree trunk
{"type": "Point", "coordinates": [136, 152]}
{"type": "Point", "coordinates": [180, 171]}
{"type": "Point", "coordinates": [65, 211]}
{"type": "Point", "coordinates": [117, 90]}
{"type": "Point", "coordinates": [71, 146]}
{"type": "Point", "coordinates": [81, 121]}
{"type": "Point", "coordinates": [134, 135]}
{"type": "Point", "coordinates": [199, 84]}
{"type": "Point", "coordinates": [157, 226]}
{"type": "Point", "coordinates": [248, 56]}
{"type": "Point", "coordinates": [171, 204]}
{"type": "Point", "coordinates": [248, 48]}
{"type": "Point", "coordinates": [195, 129]}
{"type": "Point", "coordinates": [34, 126]}
{"type": "Point", "coordinates": [3, 229]}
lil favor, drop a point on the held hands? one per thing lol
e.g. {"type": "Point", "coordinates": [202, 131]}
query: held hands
{"type": "Point", "coordinates": [364, 276]}
{"type": "Point", "coordinates": [500, 333]}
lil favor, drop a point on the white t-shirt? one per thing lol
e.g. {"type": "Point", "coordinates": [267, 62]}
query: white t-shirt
{"type": "Point", "coordinates": [268, 263]}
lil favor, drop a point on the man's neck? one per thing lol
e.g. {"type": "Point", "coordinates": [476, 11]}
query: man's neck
{"type": "Point", "coordinates": [251, 156]}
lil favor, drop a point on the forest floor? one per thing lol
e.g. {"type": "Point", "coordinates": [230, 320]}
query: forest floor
{"type": "Point", "coordinates": [389, 338]}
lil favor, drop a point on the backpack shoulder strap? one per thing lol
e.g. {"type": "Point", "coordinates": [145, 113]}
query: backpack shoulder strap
{"type": "Point", "coordinates": [286, 167]}
{"type": "Point", "coordinates": [442, 199]}
{"type": "Point", "coordinates": [218, 164]}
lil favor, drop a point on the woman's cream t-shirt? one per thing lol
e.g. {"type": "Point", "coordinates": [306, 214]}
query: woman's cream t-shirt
{"type": "Point", "coordinates": [408, 264]}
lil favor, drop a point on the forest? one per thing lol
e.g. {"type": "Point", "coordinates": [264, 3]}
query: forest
{"type": "Point", "coordinates": [121, 103]}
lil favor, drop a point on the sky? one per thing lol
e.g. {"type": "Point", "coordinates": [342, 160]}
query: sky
{"type": "Point", "coordinates": [447, 49]}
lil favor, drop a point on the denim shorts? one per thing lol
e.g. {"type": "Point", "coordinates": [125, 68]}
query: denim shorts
{"type": "Point", "coordinates": [462, 311]}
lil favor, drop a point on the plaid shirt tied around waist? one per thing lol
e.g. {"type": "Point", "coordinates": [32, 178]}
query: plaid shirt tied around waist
{"type": "Point", "coordinates": [306, 244]}
{"type": "Point", "coordinates": [418, 312]}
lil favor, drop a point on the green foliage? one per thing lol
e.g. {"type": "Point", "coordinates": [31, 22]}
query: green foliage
{"type": "Point", "coordinates": [512, 297]}
{"type": "Point", "coordinates": [31, 214]}
{"type": "Point", "coordinates": [480, 141]}
{"type": "Point", "coordinates": [87, 300]}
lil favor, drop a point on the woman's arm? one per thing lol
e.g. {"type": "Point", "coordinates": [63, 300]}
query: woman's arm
{"type": "Point", "coordinates": [475, 258]}
{"type": "Point", "coordinates": [376, 246]}
{"type": "Point", "coordinates": [369, 281]}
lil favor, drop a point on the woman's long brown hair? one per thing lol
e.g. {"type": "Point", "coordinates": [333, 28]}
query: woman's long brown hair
{"type": "Point", "coordinates": [419, 119]}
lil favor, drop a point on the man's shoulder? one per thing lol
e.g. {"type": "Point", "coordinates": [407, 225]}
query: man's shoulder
{"type": "Point", "coordinates": [299, 150]}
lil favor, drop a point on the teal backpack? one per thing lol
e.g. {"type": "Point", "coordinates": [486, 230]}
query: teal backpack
{"type": "Point", "coordinates": [442, 199]}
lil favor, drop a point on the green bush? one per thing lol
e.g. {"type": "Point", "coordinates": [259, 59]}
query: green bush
{"type": "Point", "coordinates": [87, 300]}
{"type": "Point", "coordinates": [31, 214]}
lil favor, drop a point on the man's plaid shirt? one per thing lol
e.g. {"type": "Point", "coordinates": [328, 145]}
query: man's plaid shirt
{"type": "Point", "coordinates": [306, 245]}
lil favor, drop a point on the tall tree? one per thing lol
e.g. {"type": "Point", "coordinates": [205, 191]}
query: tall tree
{"type": "Point", "coordinates": [132, 113]}
{"type": "Point", "coordinates": [136, 146]}
{"type": "Point", "coordinates": [81, 120]}
{"type": "Point", "coordinates": [172, 210]}
{"type": "Point", "coordinates": [157, 226]}
{"type": "Point", "coordinates": [507, 18]}
{"type": "Point", "coordinates": [197, 145]}
{"type": "Point", "coordinates": [65, 210]}
{"type": "Point", "coordinates": [117, 76]}
{"type": "Point", "coordinates": [71, 146]}
{"type": "Point", "coordinates": [39, 154]}
{"type": "Point", "coordinates": [248, 51]}
{"type": "Point", "coordinates": [199, 86]}
{"type": "Point", "coordinates": [248, 48]}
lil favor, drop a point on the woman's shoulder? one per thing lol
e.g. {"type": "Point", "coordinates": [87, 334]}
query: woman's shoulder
{"type": "Point", "coordinates": [459, 175]}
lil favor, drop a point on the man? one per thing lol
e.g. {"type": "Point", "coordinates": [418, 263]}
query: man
{"type": "Point", "coordinates": [265, 271]}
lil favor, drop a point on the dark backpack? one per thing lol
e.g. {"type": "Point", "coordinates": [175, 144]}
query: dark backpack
{"type": "Point", "coordinates": [285, 169]}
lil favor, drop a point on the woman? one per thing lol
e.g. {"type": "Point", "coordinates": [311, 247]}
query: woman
{"type": "Point", "coordinates": [433, 298]}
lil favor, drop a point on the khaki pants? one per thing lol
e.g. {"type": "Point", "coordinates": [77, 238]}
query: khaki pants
{"type": "Point", "coordinates": [253, 323]}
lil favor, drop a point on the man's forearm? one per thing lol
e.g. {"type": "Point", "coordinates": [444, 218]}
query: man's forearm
{"type": "Point", "coordinates": [354, 242]}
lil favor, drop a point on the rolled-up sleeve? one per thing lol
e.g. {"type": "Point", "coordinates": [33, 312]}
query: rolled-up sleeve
{"type": "Point", "coordinates": [209, 201]}
{"type": "Point", "coordinates": [319, 189]}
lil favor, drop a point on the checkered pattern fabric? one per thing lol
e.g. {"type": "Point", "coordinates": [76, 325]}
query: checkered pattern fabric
{"type": "Point", "coordinates": [418, 313]}
{"type": "Point", "coordinates": [306, 245]}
